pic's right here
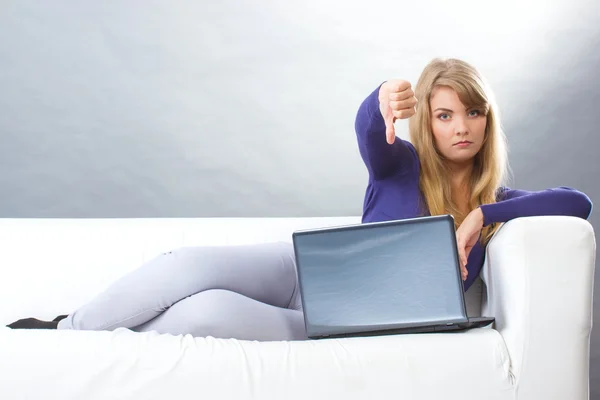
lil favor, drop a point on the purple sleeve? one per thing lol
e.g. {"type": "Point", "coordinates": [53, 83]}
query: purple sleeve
{"type": "Point", "coordinates": [381, 158]}
{"type": "Point", "coordinates": [521, 203]}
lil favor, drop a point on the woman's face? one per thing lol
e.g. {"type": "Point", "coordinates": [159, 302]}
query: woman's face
{"type": "Point", "coordinates": [458, 132]}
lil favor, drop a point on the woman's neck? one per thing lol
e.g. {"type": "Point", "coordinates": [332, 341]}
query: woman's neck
{"type": "Point", "coordinates": [460, 176]}
{"type": "Point", "coordinates": [460, 179]}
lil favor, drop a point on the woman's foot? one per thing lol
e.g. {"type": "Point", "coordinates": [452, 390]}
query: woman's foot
{"type": "Point", "coordinates": [32, 323]}
{"type": "Point", "coordinates": [60, 318]}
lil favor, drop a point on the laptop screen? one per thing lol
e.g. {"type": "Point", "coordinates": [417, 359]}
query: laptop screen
{"type": "Point", "coordinates": [379, 276]}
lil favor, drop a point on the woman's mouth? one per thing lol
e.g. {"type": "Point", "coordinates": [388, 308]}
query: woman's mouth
{"type": "Point", "coordinates": [464, 143]}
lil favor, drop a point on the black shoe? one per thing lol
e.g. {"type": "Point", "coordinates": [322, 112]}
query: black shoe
{"type": "Point", "coordinates": [32, 323]}
{"type": "Point", "coordinates": [60, 318]}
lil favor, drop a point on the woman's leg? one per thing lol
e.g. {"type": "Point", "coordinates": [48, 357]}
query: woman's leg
{"type": "Point", "coordinates": [225, 314]}
{"type": "Point", "coordinates": [263, 272]}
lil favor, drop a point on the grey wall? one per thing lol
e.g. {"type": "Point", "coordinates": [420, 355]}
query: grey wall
{"type": "Point", "coordinates": [235, 108]}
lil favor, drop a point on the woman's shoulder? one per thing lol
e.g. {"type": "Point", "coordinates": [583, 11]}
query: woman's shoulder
{"type": "Point", "coordinates": [501, 193]}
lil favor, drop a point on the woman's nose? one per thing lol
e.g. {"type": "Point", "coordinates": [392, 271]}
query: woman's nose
{"type": "Point", "coordinates": [460, 127]}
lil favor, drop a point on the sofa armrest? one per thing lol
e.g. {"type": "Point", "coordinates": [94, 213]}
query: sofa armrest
{"type": "Point", "coordinates": [539, 273]}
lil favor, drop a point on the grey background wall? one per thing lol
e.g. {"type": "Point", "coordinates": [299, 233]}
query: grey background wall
{"type": "Point", "coordinates": [235, 108]}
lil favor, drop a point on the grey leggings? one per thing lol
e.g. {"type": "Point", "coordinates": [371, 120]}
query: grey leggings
{"type": "Point", "coordinates": [244, 292]}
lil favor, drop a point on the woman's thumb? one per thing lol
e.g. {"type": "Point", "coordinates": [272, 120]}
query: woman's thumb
{"type": "Point", "coordinates": [390, 131]}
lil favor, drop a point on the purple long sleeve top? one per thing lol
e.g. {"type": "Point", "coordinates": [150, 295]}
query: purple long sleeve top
{"type": "Point", "coordinates": [393, 187]}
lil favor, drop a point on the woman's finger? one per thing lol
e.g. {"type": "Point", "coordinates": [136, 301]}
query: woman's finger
{"type": "Point", "coordinates": [461, 254]}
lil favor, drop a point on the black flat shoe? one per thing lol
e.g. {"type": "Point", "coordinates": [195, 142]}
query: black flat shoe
{"type": "Point", "coordinates": [32, 323]}
{"type": "Point", "coordinates": [60, 318]}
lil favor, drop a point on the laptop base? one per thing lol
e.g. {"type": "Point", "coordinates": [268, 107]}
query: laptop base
{"type": "Point", "coordinates": [475, 322]}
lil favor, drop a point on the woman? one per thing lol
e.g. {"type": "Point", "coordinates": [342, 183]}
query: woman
{"type": "Point", "coordinates": [455, 164]}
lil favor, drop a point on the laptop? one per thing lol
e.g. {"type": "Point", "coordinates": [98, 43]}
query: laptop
{"type": "Point", "coordinates": [391, 277]}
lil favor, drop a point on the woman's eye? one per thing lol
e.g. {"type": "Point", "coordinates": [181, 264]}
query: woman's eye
{"type": "Point", "coordinates": [474, 113]}
{"type": "Point", "coordinates": [443, 116]}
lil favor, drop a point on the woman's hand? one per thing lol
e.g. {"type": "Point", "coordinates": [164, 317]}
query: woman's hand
{"type": "Point", "coordinates": [467, 235]}
{"type": "Point", "coordinates": [396, 101]}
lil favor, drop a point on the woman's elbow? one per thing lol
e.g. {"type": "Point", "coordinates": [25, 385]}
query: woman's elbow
{"type": "Point", "coordinates": [586, 205]}
{"type": "Point", "coordinates": [580, 204]}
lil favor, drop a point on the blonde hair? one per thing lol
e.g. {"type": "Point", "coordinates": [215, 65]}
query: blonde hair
{"type": "Point", "coordinates": [490, 164]}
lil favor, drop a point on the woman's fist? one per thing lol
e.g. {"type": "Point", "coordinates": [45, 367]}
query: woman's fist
{"type": "Point", "coordinates": [396, 101]}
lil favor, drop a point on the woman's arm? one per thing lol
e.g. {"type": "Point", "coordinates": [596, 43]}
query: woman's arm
{"type": "Point", "coordinates": [521, 203]}
{"type": "Point", "coordinates": [381, 158]}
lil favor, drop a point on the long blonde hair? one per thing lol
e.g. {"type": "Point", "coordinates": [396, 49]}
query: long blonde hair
{"type": "Point", "coordinates": [490, 167]}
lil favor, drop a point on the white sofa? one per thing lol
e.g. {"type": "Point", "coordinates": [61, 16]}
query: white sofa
{"type": "Point", "coordinates": [538, 273]}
